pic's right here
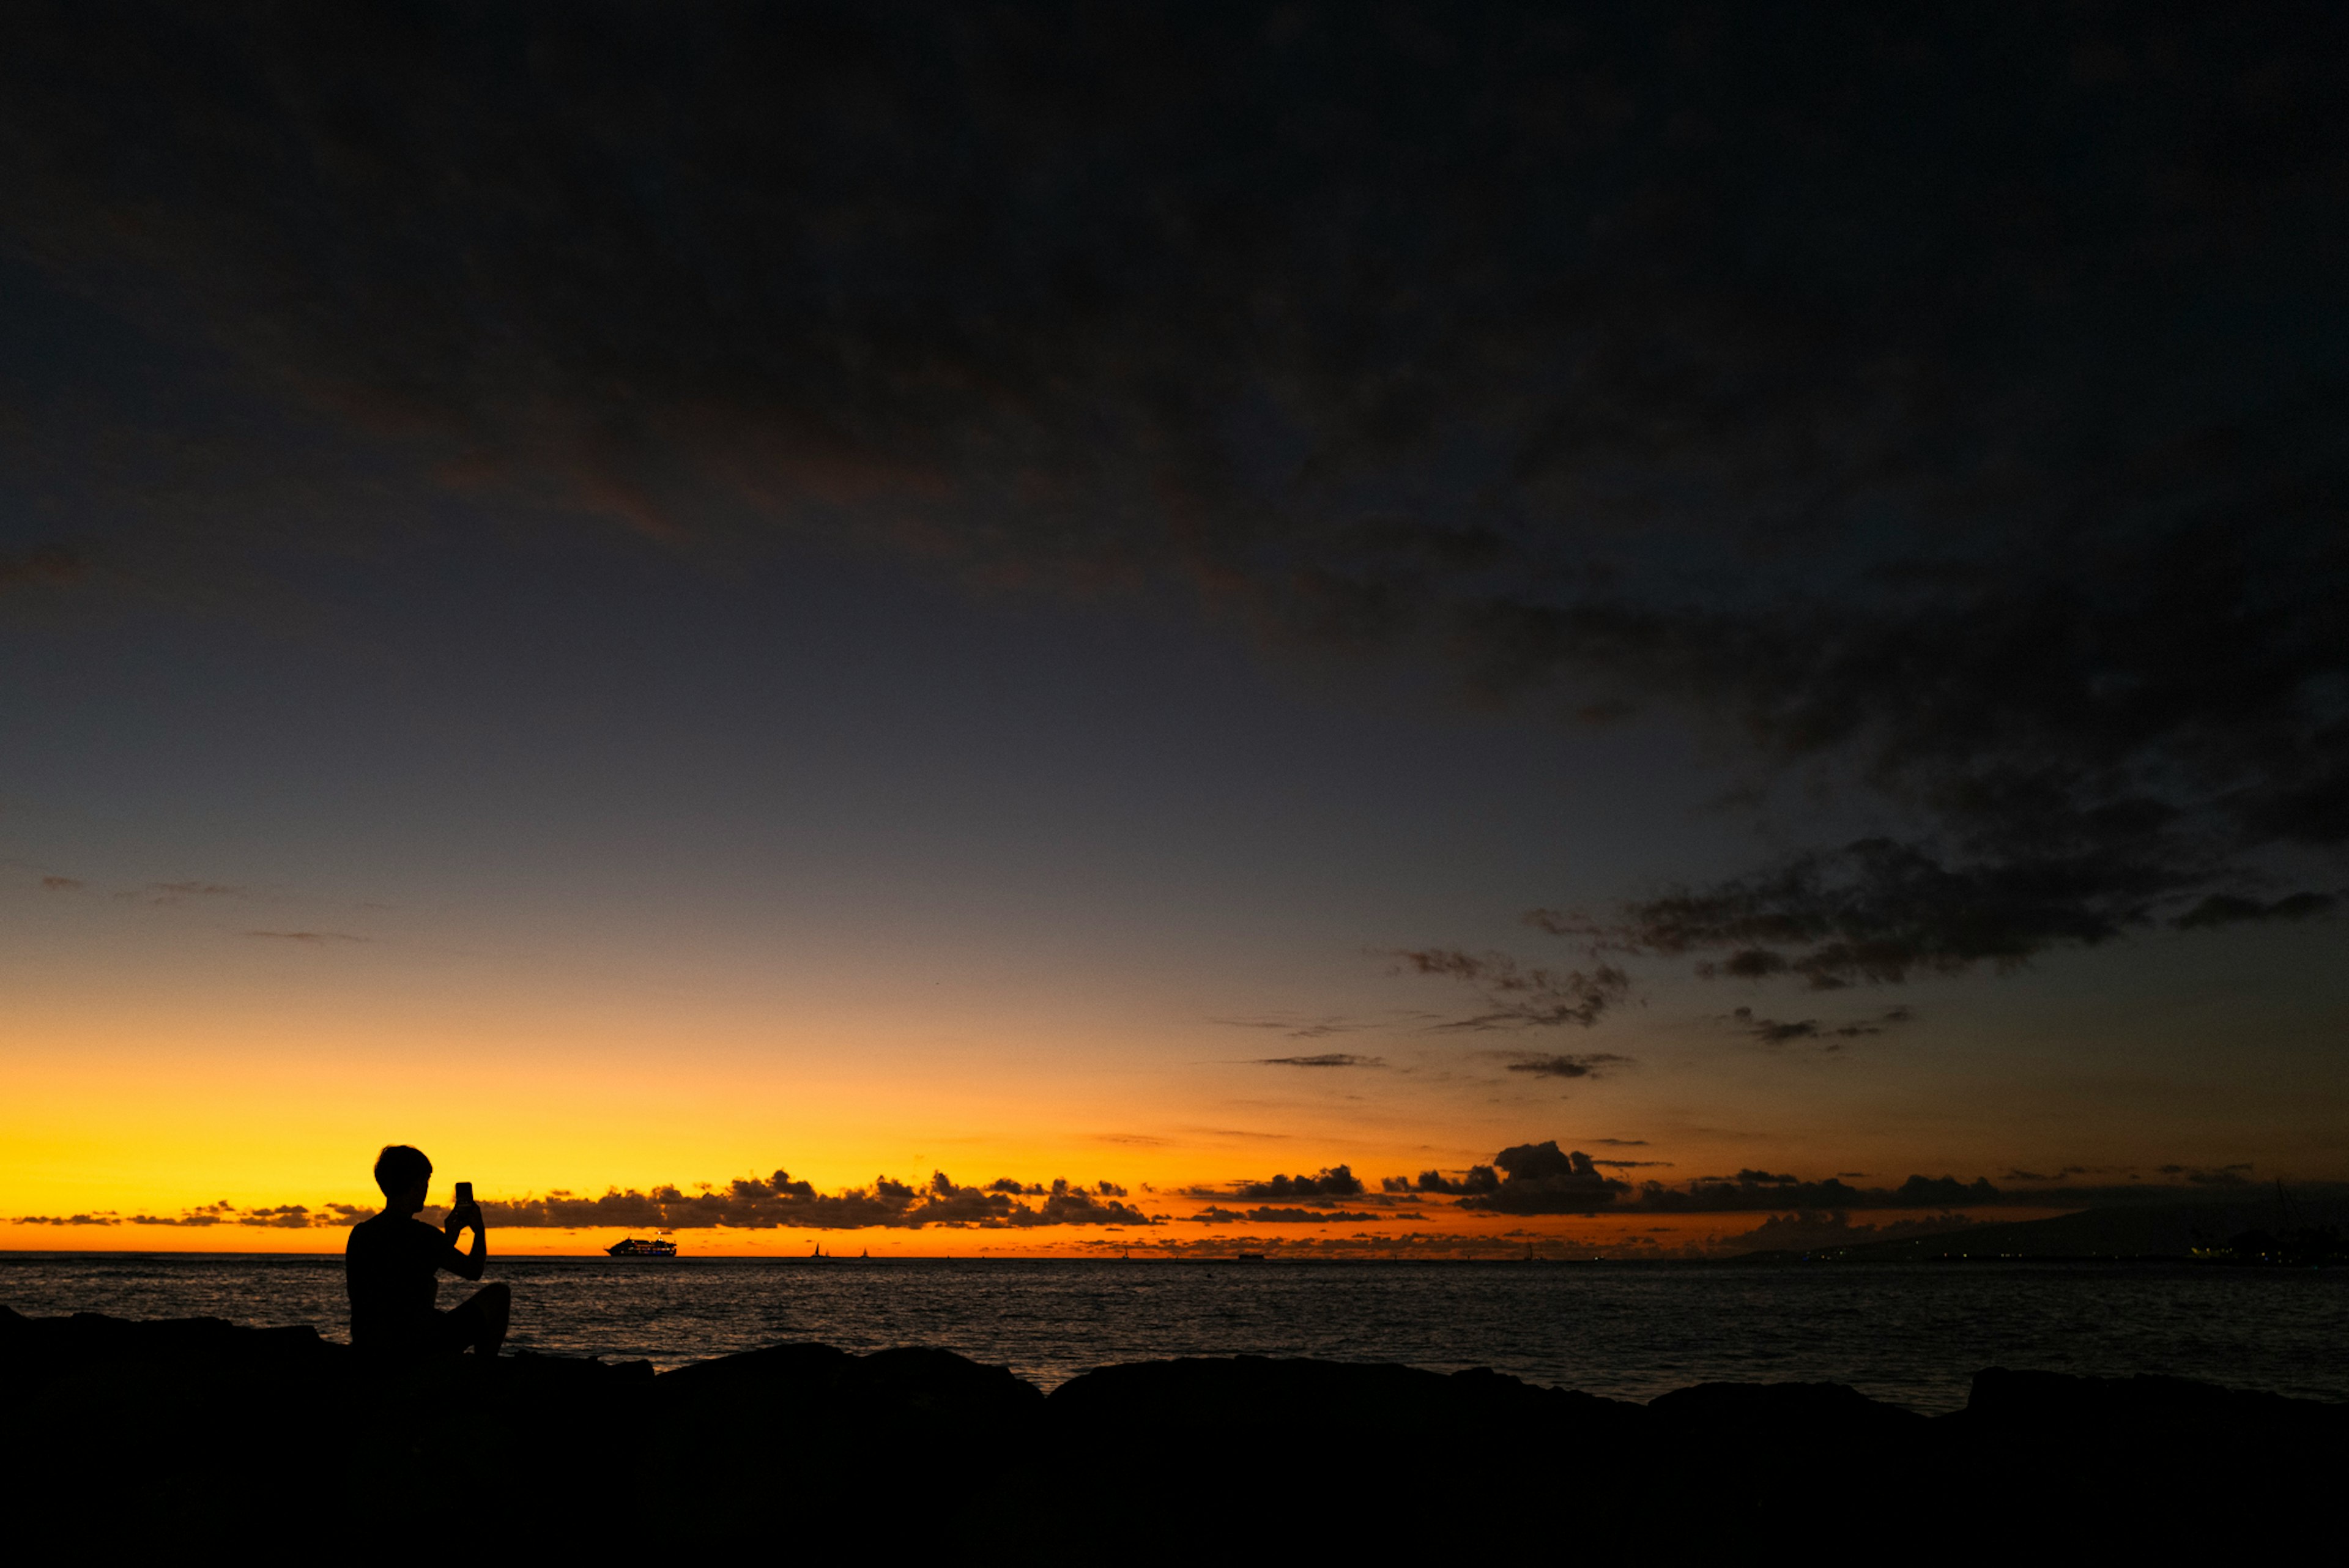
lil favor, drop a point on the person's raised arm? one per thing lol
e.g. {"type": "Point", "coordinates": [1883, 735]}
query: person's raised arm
{"type": "Point", "coordinates": [467, 1265]}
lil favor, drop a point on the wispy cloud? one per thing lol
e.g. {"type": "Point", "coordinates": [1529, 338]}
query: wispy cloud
{"type": "Point", "coordinates": [1326, 1059]}
{"type": "Point", "coordinates": [1828, 1036]}
{"type": "Point", "coordinates": [1590, 1065]}
{"type": "Point", "coordinates": [166, 893]}
{"type": "Point", "coordinates": [1300, 1028]}
{"type": "Point", "coordinates": [315, 938]}
{"type": "Point", "coordinates": [1517, 995]}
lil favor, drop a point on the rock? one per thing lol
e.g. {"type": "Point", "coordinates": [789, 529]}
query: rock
{"type": "Point", "coordinates": [1317, 1420]}
{"type": "Point", "coordinates": [913, 1384]}
{"type": "Point", "coordinates": [899, 1436]}
{"type": "Point", "coordinates": [2141, 1410]}
{"type": "Point", "coordinates": [1782, 1412]}
{"type": "Point", "coordinates": [152, 1425]}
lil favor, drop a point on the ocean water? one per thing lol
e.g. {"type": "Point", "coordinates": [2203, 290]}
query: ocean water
{"type": "Point", "coordinates": [1913, 1335]}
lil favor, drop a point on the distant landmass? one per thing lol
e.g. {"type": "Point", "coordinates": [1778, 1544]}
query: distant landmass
{"type": "Point", "coordinates": [2163, 1231]}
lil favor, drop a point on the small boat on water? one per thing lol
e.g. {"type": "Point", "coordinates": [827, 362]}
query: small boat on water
{"type": "Point", "coordinates": [632, 1248]}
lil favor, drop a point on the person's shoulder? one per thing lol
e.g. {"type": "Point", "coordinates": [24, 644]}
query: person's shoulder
{"type": "Point", "coordinates": [399, 1234]}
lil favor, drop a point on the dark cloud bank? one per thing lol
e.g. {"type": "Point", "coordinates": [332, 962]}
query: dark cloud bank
{"type": "Point", "coordinates": [751, 1204]}
{"type": "Point", "coordinates": [1526, 1179]}
{"type": "Point", "coordinates": [1542, 1178]}
{"type": "Point", "coordinates": [1531, 1179]}
{"type": "Point", "coordinates": [1320, 1199]}
{"type": "Point", "coordinates": [272, 1217]}
{"type": "Point", "coordinates": [1948, 402]}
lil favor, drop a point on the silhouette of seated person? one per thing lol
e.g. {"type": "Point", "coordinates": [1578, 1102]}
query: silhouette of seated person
{"type": "Point", "coordinates": [392, 1267]}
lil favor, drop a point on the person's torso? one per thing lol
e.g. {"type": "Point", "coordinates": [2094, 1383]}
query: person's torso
{"type": "Point", "coordinates": [391, 1271]}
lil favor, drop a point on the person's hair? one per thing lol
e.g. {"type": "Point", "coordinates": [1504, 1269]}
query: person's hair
{"type": "Point", "coordinates": [399, 1167]}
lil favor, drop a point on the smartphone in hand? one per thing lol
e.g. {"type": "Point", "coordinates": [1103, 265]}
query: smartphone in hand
{"type": "Point", "coordinates": [464, 1193]}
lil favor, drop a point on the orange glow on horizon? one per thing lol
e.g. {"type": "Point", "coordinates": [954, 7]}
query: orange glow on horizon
{"type": "Point", "coordinates": [185, 1088]}
{"type": "Point", "coordinates": [1628, 1236]}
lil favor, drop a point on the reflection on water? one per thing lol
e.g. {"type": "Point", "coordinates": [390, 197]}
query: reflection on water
{"type": "Point", "coordinates": [1912, 1334]}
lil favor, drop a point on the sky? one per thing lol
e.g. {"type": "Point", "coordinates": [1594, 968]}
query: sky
{"type": "Point", "coordinates": [1343, 628]}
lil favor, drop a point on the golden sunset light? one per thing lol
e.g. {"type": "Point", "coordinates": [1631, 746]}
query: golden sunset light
{"type": "Point", "coordinates": [901, 772]}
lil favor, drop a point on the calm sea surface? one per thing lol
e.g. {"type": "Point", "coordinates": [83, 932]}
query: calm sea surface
{"type": "Point", "coordinates": [1912, 1334]}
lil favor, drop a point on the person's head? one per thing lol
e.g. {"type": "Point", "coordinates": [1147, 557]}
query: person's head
{"type": "Point", "coordinates": [404, 1174]}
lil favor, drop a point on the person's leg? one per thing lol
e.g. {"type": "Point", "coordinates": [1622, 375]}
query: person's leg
{"type": "Point", "coordinates": [489, 1308]}
{"type": "Point", "coordinates": [477, 1323]}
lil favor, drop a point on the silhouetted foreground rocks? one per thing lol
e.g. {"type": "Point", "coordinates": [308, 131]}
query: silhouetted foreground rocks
{"type": "Point", "coordinates": [178, 1430]}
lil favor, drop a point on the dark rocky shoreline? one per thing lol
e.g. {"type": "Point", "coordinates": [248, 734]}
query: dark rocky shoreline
{"type": "Point", "coordinates": [152, 1429]}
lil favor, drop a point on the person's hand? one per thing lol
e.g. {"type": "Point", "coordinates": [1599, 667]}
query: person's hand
{"type": "Point", "coordinates": [463, 1215]}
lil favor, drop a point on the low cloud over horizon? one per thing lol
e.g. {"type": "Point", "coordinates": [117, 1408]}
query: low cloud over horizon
{"type": "Point", "coordinates": [1524, 1180]}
